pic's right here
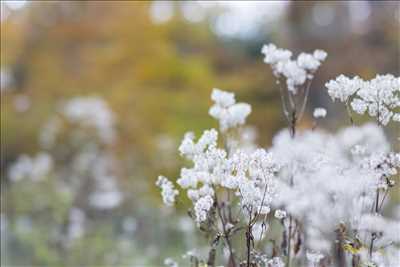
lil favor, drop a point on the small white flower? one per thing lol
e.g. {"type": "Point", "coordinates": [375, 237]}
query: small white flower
{"type": "Point", "coordinates": [296, 71]}
{"type": "Point", "coordinates": [226, 111]}
{"type": "Point", "coordinates": [319, 113]}
{"type": "Point", "coordinates": [320, 55]}
{"type": "Point", "coordinates": [379, 97]}
{"type": "Point", "coordinates": [343, 87]}
{"type": "Point", "coordinates": [167, 190]}
{"type": "Point", "coordinates": [223, 98]}
{"type": "Point", "coordinates": [201, 208]}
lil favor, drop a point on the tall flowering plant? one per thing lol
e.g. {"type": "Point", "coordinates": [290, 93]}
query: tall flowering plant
{"type": "Point", "coordinates": [312, 198]}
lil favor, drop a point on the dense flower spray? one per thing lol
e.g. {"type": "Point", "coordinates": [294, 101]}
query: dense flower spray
{"type": "Point", "coordinates": [313, 198]}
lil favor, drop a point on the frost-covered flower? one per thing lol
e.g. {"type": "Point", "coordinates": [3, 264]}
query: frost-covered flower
{"type": "Point", "coordinates": [168, 190]}
{"type": "Point", "coordinates": [296, 71]}
{"type": "Point", "coordinates": [343, 87]}
{"type": "Point", "coordinates": [319, 113]}
{"type": "Point", "coordinates": [274, 55]}
{"type": "Point", "coordinates": [202, 207]}
{"type": "Point", "coordinates": [329, 184]}
{"type": "Point", "coordinates": [189, 149]}
{"type": "Point", "coordinates": [379, 97]}
{"type": "Point", "coordinates": [324, 184]}
{"type": "Point", "coordinates": [229, 113]}
{"type": "Point", "coordinates": [248, 173]}
{"type": "Point", "coordinates": [308, 61]}
{"type": "Point", "coordinates": [320, 54]}
{"type": "Point", "coordinates": [223, 98]}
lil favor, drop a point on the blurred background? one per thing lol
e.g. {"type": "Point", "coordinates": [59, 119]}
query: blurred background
{"type": "Point", "coordinates": [96, 95]}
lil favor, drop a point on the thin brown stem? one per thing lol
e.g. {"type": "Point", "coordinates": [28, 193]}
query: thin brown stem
{"type": "Point", "coordinates": [248, 240]}
{"type": "Point", "coordinates": [226, 234]}
{"type": "Point", "coordinates": [289, 242]}
{"type": "Point", "coordinates": [349, 113]}
{"type": "Point", "coordinates": [373, 235]}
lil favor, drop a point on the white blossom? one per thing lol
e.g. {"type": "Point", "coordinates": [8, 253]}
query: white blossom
{"type": "Point", "coordinates": [323, 181]}
{"type": "Point", "coordinates": [274, 55]}
{"type": "Point", "coordinates": [320, 54]}
{"type": "Point", "coordinates": [379, 97]}
{"type": "Point", "coordinates": [222, 98]}
{"type": "Point", "coordinates": [308, 61]}
{"type": "Point", "coordinates": [202, 207]}
{"type": "Point", "coordinates": [343, 87]}
{"type": "Point", "coordinates": [229, 113]}
{"type": "Point", "coordinates": [296, 71]}
{"type": "Point", "coordinates": [167, 190]}
{"type": "Point", "coordinates": [319, 113]}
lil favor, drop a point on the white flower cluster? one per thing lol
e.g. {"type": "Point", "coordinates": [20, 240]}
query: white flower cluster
{"type": "Point", "coordinates": [343, 87]}
{"type": "Point", "coordinates": [202, 207]}
{"type": "Point", "coordinates": [296, 72]}
{"type": "Point", "coordinates": [229, 113]}
{"type": "Point", "coordinates": [319, 113]}
{"type": "Point", "coordinates": [93, 129]}
{"type": "Point", "coordinates": [34, 168]}
{"type": "Point", "coordinates": [91, 112]}
{"type": "Point", "coordinates": [168, 191]}
{"type": "Point", "coordinates": [248, 173]}
{"type": "Point", "coordinates": [326, 190]}
{"type": "Point", "coordinates": [379, 97]}
{"type": "Point", "coordinates": [323, 184]}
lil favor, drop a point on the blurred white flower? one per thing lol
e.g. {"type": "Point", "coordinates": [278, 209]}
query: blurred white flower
{"type": "Point", "coordinates": [34, 168]}
{"type": "Point", "coordinates": [92, 112]}
{"type": "Point", "coordinates": [168, 190]}
{"type": "Point", "coordinates": [319, 113]}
